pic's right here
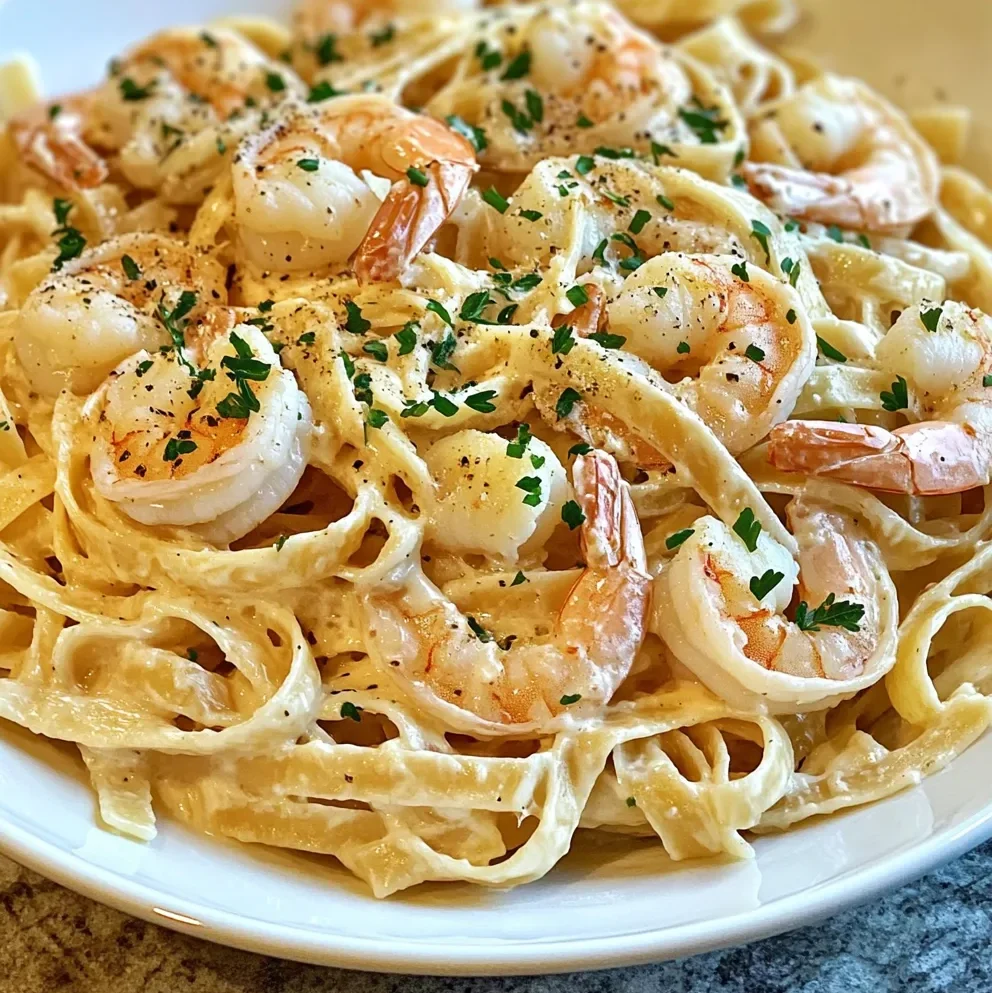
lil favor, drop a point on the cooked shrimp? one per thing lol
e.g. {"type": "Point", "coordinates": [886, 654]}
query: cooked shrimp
{"type": "Point", "coordinates": [946, 382]}
{"type": "Point", "coordinates": [480, 508]}
{"type": "Point", "coordinates": [315, 20]}
{"type": "Point", "coordinates": [176, 442]}
{"type": "Point", "coordinates": [83, 320]}
{"type": "Point", "coordinates": [585, 658]}
{"type": "Point", "coordinates": [836, 153]}
{"type": "Point", "coordinates": [49, 138]}
{"type": "Point", "coordinates": [547, 80]}
{"type": "Point", "coordinates": [594, 59]}
{"type": "Point", "coordinates": [739, 350]}
{"type": "Point", "coordinates": [720, 608]}
{"type": "Point", "coordinates": [354, 175]}
{"type": "Point", "coordinates": [180, 101]}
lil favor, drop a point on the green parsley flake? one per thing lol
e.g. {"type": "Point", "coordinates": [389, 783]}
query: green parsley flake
{"type": "Point", "coordinates": [762, 585]}
{"type": "Point", "coordinates": [355, 323]}
{"type": "Point", "coordinates": [571, 514]}
{"type": "Point", "coordinates": [566, 401]}
{"type": "Point", "coordinates": [675, 540]}
{"type": "Point", "coordinates": [748, 529]}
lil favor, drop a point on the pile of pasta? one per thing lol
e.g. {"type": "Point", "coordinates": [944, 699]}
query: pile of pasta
{"type": "Point", "coordinates": [439, 398]}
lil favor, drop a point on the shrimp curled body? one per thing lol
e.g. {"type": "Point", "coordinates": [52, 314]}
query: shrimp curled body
{"type": "Point", "coordinates": [355, 175]}
{"type": "Point", "coordinates": [585, 658]}
{"type": "Point", "coordinates": [172, 448]}
{"type": "Point", "coordinates": [745, 649]}
{"type": "Point", "coordinates": [945, 373]}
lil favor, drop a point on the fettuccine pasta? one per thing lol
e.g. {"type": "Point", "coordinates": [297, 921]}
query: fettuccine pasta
{"type": "Point", "coordinates": [428, 431]}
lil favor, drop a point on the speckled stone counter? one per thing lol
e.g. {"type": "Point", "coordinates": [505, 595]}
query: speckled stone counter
{"type": "Point", "coordinates": [932, 936]}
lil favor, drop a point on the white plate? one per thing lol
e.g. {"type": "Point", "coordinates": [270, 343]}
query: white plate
{"type": "Point", "coordinates": [610, 902]}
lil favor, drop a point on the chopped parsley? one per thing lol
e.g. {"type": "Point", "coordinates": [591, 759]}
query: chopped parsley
{"type": "Point", "coordinates": [843, 614]}
{"type": "Point", "coordinates": [377, 349]}
{"type": "Point", "coordinates": [519, 66]}
{"type": "Point", "coordinates": [568, 399]}
{"type": "Point", "coordinates": [308, 165]}
{"type": "Point", "coordinates": [417, 177]}
{"type": "Point", "coordinates": [834, 233]}
{"type": "Point", "coordinates": [762, 585]}
{"type": "Point", "coordinates": [518, 579]}
{"type": "Point", "coordinates": [531, 485]}
{"type": "Point", "coordinates": [571, 514]}
{"type": "Point", "coordinates": [898, 398]}
{"type": "Point", "coordinates": [761, 233]}
{"type": "Point", "coordinates": [562, 341]}
{"type": "Point", "coordinates": [131, 91]}
{"type": "Point", "coordinates": [349, 710]}
{"type": "Point", "coordinates": [754, 353]}
{"type": "Point", "coordinates": [790, 316]}
{"type": "Point", "coordinates": [442, 351]}
{"type": "Point", "coordinates": [443, 405]}
{"type": "Point", "coordinates": [638, 221]}
{"type": "Point", "coordinates": [577, 295]}
{"type": "Point", "coordinates": [675, 540]}
{"type": "Point", "coordinates": [355, 323]}
{"type": "Point", "coordinates": [931, 318]}
{"type": "Point", "coordinates": [326, 50]}
{"type": "Point", "coordinates": [496, 200]}
{"type": "Point", "coordinates": [531, 215]}
{"type": "Point", "coordinates": [482, 402]}
{"type": "Point", "coordinates": [747, 529]}
{"type": "Point", "coordinates": [569, 698]}
{"type": "Point", "coordinates": [176, 448]}
{"type": "Point", "coordinates": [740, 271]}
{"type": "Point", "coordinates": [376, 418]}
{"type": "Point", "coordinates": [475, 136]}
{"type": "Point", "coordinates": [606, 340]}
{"type": "Point", "coordinates": [682, 348]}
{"type": "Point", "coordinates": [407, 337]}
{"type": "Point", "coordinates": [275, 82]}
{"type": "Point", "coordinates": [436, 308]}
{"type": "Point", "coordinates": [665, 202]}
{"type": "Point", "coordinates": [580, 448]}
{"type": "Point", "coordinates": [516, 449]}
{"type": "Point", "coordinates": [474, 305]}
{"type": "Point", "coordinates": [704, 121]}
{"type": "Point", "coordinates": [829, 351]}
{"type": "Point", "coordinates": [307, 338]}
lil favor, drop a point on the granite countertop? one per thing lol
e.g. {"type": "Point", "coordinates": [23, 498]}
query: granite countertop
{"type": "Point", "coordinates": [929, 937]}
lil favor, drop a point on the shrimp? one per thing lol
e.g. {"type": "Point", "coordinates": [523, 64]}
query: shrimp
{"type": "Point", "coordinates": [49, 138]}
{"type": "Point", "coordinates": [942, 377]}
{"type": "Point", "coordinates": [740, 351]}
{"type": "Point", "coordinates": [300, 202]}
{"type": "Point", "coordinates": [83, 320]}
{"type": "Point", "coordinates": [176, 443]}
{"type": "Point", "coordinates": [600, 71]}
{"type": "Point", "coordinates": [587, 655]}
{"type": "Point", "coordinates": [176, 104]}
{"type": "Point", "coordinates": [315, 20]}
{"type": "Point", "coordinates": [836, 153]}
{"type": "Point", "coordinates": [591, 79]}
{"type": "Point", "coordinates": [720, 605]}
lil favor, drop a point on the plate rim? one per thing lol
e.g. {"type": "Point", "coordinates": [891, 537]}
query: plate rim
{"type": "Point", "coordinates": [495, 958]}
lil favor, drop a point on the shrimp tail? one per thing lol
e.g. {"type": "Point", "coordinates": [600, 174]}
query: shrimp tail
{"type": "Point", "coordinates": [54, 146]}
{"type": "Point", "coordinates": [587, 318]}
{"type": "Point", "coordinates": [409, 217]}
{"type": "Point", "coordinates": [926, 459]}
{"type": "Point", "coordinates": [615, 587]}
{"type": "Point", "coordinates": [827, 199]}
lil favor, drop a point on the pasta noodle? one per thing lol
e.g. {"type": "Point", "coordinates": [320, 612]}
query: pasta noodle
{"type": "Point", "coordinates": [426, 433]}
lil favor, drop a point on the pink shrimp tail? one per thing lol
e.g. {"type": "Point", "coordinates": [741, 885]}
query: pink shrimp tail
{"type": "Point", "coordinates": [926, 459]}
{"type": "Point", "coordinates": [827, 199]}
{"type": "Point", "coordinates": [55, 147]}
{"type": "Point", "coordinates": [407, 220]}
